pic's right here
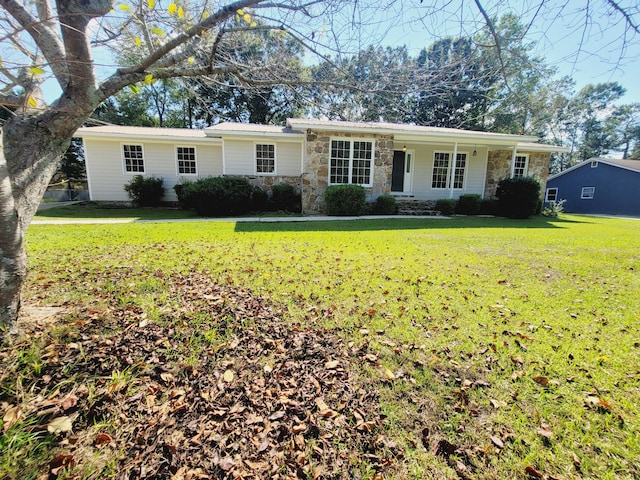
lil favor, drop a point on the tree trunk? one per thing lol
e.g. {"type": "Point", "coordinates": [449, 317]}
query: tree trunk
{"type": "Point", "coordinates": [13, 259]}
{"type": "Point", "coordinates": [30, 150]}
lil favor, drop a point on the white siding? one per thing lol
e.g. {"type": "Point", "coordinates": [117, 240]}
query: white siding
{"type": "Point", "coordinates": [239, 157]}
{"type": "Point", "coordinates": [423, 171]}
{"type": "Point", "coordinates": [106, 170]}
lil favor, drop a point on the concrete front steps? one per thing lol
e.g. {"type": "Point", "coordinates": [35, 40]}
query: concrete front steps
{"type": "Point", "coordinates": [411, 206]}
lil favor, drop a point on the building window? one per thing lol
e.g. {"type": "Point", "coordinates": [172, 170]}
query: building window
{"type": "Point", "coordinates": [588, 193]}
{"type": "Point", "coordinates": [351, 162]}
{"type": "Point", "coordinates": [186, 157]}
{"type": "Point", "coordinates": [133, 158]}
{"type": "Point", "coordinates": [442, 170]}
{"type": "Point", "coordinates": [520, 166]}
{"type": "Point", "coordinates": [594, 164]}
{"type": "Point", "coordinates": [265, 158]}
{"type": "Point", "coordinates": [552, 195]}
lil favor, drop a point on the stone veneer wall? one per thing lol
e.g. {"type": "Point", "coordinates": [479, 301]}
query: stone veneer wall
{"type": "Point", "coordinates": [499, 167]}
{"type": "Point", "coordinates": [316, 167]}
{"type": "Point", "coordinates": [265, 182]}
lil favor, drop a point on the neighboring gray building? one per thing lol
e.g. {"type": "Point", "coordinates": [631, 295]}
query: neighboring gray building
{"type": "Point", "coordinates": [414, 162]}
{"type": "Point", "coordinates": [598, 185]}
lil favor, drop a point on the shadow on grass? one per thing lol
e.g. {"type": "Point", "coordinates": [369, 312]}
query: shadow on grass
{"type": "Point", "coordinates": [358, 225]}
{"type": "Point", "coordinates": [95, 212]}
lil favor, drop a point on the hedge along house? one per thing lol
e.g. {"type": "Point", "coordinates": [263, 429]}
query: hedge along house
{"type": "Point", "coordinates": [411, 162]}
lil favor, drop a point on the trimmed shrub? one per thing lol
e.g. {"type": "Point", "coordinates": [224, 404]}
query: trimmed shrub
{"type": "Point", "coordinates": [345, 200]}
{"type": "Point", "coordinates": [179, 189]}
{"type": "Point", "coordinates": [518, 197]}
{"type": "Point", "coordinates": [145, 191]}
{"type": "Point", "coordinates": [446, 206]}
{"type": "Point", "coordinates": [284, 198]}
{"type": "Point", "coordinates": [468, 204]}
{"type": "Point", "coordinates": [385, 205]}
{"type": "Point", "coordinates": [260, 200]}
{"type": "Point", "coordinates": [212, 196]}
{"type": "Point", "coordinates": [488, 206]}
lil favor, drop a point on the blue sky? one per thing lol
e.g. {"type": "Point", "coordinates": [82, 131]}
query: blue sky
{"type": "Point", "coordinates": [593, 51]}
{"type": "Point", "coordinates": [589, 52]}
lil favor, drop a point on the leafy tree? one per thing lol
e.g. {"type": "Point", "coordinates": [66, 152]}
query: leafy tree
{"type": "Point", "coordinates": [458, 85]}
{"type": "Point", "coordinates": [625, 119]}
{"type": "Point", "coordinates": [382, 80]}
{"type": "Point", "coordinates": [72, 167]}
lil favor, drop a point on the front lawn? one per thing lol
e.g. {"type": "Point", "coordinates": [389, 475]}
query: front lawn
{"type": "Point", "coordinates": [402, 348]}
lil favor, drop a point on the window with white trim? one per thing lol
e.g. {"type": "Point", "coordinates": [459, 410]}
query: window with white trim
{"type": "Point", "coordinates": [351, 161]}
{"type": "Point", "coordinates": [265, 158]}
{"type": "Point", "coordinates": [186, 158]}
{"type": "Point", "coordinates": [520, 164]}
{"type": "Point", "coordinates": [552, 195]}
{"type": "Point", "coordinates": [594, 164]}
{"type": "Point", "coordinates": [441, 176]}
{"type": "Point", "coordinates": [133, 158]}
{"type": "Point", "coordinates": [587, 193]}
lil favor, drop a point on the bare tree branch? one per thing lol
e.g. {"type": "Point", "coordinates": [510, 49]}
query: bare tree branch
{"type": "Point", "coordinates": [44, 36]}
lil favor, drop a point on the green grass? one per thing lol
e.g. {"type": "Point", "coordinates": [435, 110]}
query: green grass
{"type": "Point", "coordinates": [469, 310]}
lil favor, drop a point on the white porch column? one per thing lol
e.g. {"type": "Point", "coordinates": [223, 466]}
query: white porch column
{"type": "Point", "coordinates": [513, 161]}
{"type": "Point", "coordinates": [453, 169]}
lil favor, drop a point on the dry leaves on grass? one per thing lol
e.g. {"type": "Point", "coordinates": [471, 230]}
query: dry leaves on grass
{"type": "Point", "coordinates": [270, 400]}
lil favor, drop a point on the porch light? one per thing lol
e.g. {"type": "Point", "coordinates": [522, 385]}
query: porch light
{"type": "Point", "coordinates": [475, 151]}
{"type": "Point", "coordinates": [404, 148]}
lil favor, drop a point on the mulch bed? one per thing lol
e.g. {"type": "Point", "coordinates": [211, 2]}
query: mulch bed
{"type": "Point", "coordinates": [223, 387]}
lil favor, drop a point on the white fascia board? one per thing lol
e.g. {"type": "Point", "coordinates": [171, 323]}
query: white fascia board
{"type": "Point", "coordinates": [409, 133]}
{"type": "Point", "coordinates": [260, 136]}
{"type": "Point", "coordinates": [146, 138]}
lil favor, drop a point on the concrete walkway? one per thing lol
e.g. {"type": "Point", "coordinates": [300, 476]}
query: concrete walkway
{"type": "Point", "coordinates": [311, 218]}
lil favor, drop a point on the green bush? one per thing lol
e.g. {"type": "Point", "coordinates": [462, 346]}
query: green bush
{"type": "Point", "coordinates": [145, 191]}
{"type": "Point", "coordinates": [385, 205]}
{"type": "Point", "coordinates": [284, 198]}
{"type": "Point", "coordinates": [446, 206]}
{"type": "Point", "coordinates": [518, 197]}
{"type": "Point", "coordinates": [488, 206]}
{"type": "Point", "coordinates": [553, 209]}
{"type": "Point", "coordinates": [179, 189]}
{"type": "Point", "coordinates": [345, 200]}
{"type": "Point", "coordinates": [211, 196]}
{"type": "Point", "coordinates": [260, 200]}
{"type": "Point", "coordinates": [469, 204]}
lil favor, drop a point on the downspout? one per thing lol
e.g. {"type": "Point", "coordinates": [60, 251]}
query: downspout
{"type": "Point", "coordinates": [513, 161]}
{"type": "Point", "coordinates": [453, 169]}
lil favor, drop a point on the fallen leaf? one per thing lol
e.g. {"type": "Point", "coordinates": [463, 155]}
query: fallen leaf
{"type": "Point", "coordinates": [533, 473]}
{"type": "Point", "coordinates": [226, 463]}
{"type": "Point", "coordinates": [59, 463]}
{"type": "Point", "coordinates": [69, 402]}
{"type": "Point", "coordinates": [498, 403]}
{"type": "Point", "coordinates": [60, 425]}
{"type": "Point", "coordinates": [102, 439]}
{"type": "Point", "coordinates": [545, 431]}
{"type": "Point", "coordinates": [228, 376]}
{"type": "Point", "coordinates": [11, 417]}
{"type": "Point", "coordinates": [497, 442]}
{"type": "Point", "coordinates": [389, 374]}
{"type": "Point", "coordinates": [167, 377]}
{"type": "Point", "coordinates": [540, 380]}
{"type": "Point", "coordinates": [330, 365]}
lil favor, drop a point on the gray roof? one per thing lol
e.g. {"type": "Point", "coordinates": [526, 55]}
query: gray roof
{"type": "Point", "coordinates": [232, 128]}
{"type": "Point", "coordinates": [627, 164]}
{"type": "Point", "coordinates": [120, 130]}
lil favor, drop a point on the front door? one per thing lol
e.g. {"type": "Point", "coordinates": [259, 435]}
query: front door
{"type": "Point", "coordinates": [397, 172]}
